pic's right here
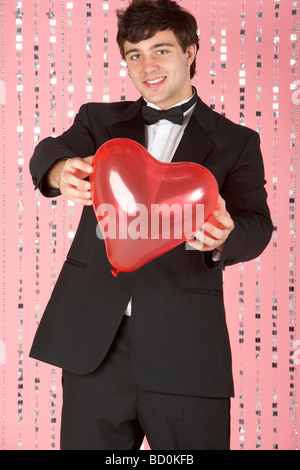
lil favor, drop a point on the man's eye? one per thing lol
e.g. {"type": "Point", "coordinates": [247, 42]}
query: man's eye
{"type": "Point", "coordinates": [162, 52]}
{"type": "Point", "coordinates": [135, 57]}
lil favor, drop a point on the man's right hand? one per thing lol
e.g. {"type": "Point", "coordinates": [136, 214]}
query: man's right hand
{"type": "Point", "coordinates": [69, 177]}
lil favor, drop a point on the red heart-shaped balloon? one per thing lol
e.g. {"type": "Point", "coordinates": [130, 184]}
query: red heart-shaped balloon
{"type": "Point", "coordinates": [145, 207]}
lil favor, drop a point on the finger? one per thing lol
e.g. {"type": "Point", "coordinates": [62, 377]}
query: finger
{"type": "Point", "coordinates": [89, 159]}
{"type": "Point", "coordinates": [221, 215]}
{"type": "Point", "coordinates": [82, 202]}
{"type": "Point", "coordinates": [200, 240]}
{"type": "Point", "coordinates": [221, 204]}
{"type": "Point", "coordinates": [195, 244]}
{"type": "Point", "coordinates": [72, 180]}
{"type": "Point", "coordinates": [210, 236]}
{"type": "Point", "coordinates": [224, 219]}
{"type": "Point", "coordinates": [80, 199]}
{"type": "Point", "coordinates": [220, 207]}
{"type": "Point", "coordinates": [198, 236]}
{"type": "Point", "coordinates": [76, 195]}
{"type": "Point", "coordinates": [213, 231]}
{"type": "Point", "coordinates": [78, 164]}
{"type": "Point", "coordinates": [206, 241]}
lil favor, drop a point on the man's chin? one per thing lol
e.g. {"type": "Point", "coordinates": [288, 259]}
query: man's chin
{"type": "Point", "coordinates": [157, 98]}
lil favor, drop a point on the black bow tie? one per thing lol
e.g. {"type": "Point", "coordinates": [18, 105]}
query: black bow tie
{"type": "Point", "coordinates": [175, 115]}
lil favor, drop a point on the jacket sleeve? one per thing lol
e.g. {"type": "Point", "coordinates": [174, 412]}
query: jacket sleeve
{"type": "Point", "coordinates": [75, 142]}
{"type": "Point", "coordinates": [246, 201]}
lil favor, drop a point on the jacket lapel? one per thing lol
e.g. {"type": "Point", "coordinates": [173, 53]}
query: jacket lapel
{"type": "Point", "coordinates": [196, 143]}
{"type": "Point", "coordinates": [131, 124]}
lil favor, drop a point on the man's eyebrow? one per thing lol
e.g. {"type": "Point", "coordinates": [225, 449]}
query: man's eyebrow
{"type": "Point", "coordinates": [155, 46]}
{"type": "Point", "coordinates": [130, 51]}
{"type": "Point", "coordinates": [163, 44]}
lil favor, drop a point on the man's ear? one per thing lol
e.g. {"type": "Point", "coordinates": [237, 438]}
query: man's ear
{"type": "Point", "coordinates": [191, 52]}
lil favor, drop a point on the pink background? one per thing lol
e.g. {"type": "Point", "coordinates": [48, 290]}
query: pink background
{"type": "Point", "coordinates": [248, 56]}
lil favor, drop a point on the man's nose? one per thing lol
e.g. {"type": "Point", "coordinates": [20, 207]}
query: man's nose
{"type": "Point", "coordinates": [150, 64]}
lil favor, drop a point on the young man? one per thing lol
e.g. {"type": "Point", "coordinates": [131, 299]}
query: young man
{"type": "Point", "coordinates": [147, 353]}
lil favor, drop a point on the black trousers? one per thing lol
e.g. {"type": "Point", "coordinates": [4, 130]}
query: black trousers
{"type": "Point", "coordinates": [106, 410]}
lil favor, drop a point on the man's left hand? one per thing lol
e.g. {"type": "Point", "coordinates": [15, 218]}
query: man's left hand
{"type": "Point", "coordinates": [215, 231]}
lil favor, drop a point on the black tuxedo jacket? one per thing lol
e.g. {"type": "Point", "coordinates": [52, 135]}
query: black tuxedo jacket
{"type": "Point", "coordinates": [180, 341]}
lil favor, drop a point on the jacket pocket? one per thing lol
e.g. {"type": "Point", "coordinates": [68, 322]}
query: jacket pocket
{"type": "Point", "coordinates": [203, 291]}
{"type": "Point", "coordinates": [196, 279]}
{"type": "Point", "coordinates": [77, 263]}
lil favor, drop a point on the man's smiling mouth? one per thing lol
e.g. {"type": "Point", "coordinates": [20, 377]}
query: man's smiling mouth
{"type": "Point", "coordinates": [154, 81]}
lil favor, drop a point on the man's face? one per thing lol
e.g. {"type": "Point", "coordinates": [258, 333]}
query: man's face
{"type": "Point", "coordinates": [159, 69]}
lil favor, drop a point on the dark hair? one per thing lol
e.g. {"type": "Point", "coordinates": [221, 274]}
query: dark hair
{"type": "Point", "coordinates": [144, 18]}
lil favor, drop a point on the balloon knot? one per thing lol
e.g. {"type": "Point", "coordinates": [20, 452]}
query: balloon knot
{"type": "Point", "coordinates": [114, 272]}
